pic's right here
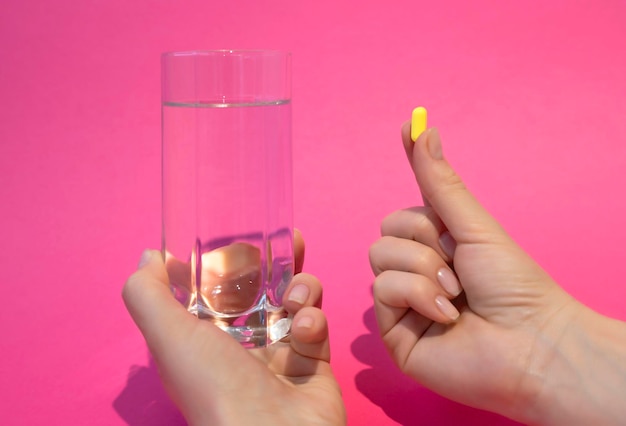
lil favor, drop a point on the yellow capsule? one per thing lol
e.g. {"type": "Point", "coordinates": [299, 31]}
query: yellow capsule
{"type": "Point", "coordinates": [418, 122]}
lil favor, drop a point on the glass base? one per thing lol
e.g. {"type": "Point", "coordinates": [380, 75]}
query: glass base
{"type": "Point", "coordinates": [256, 329]}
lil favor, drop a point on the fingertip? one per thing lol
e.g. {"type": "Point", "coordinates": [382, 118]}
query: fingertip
{"type": "Point", "coordinates": [309, 327]}
{"type": "Point", "coordinates": [447, 309]}
{"type": "Point", "coordinates": [414, 149]}
{"type": "Point", "coordinates": [145, 258]}
{"type": "Point", "coordinates": [134, 282]}
{"type": "Point", "coordinates": [304, 322]}
{"type": "Point", "coordinates": [447, 244]}
{"type": "Point", "coordinates": [147, 285]}
{"type": "Point", "coordinates": [298, 250]}
{"type": "Point", "coordinates": [304, 290]}
{"type": "Point", "coordinates": [406, 130]}
{"type": "Point", "coordinates": [433, 144]}
{"type": "Point", "coordinates": [148, 256]}
{"type": "Point", "coordinates": [299, 294]}
{"type": "Point", "coordinates": [297, 236]}
{"type": "Point", "coordinates": [406, 138]}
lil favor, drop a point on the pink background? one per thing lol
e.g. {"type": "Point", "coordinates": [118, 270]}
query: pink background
{"type": "Point", "coordinates": [529, 97]}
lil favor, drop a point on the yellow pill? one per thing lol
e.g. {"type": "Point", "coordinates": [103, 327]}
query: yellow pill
{"type": "Point", "coordinates": [418, 122]}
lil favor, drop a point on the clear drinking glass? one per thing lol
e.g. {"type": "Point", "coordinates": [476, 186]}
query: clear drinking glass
{"type": "Point", "coordinates": [227, 188]}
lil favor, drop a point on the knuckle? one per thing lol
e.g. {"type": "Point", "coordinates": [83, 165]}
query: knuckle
{"type": "Point", "coordinates": [422, 223]}
{"type": "Point", "coordinates": [380, 283]}
{"type": "Point", "coordinates": [378, 248]}
{"type": "Point", "coordinates": [424, 259]}
{"type": "Point", "coordinates": [378, 253]}
{"type": "Point", "coordinates": [389, 222]}
{"type": "Point", "coordinates": [448, 183]}
{"type": "Point", "coordinates": [131, 286]}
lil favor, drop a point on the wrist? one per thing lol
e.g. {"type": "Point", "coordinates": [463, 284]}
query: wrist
{"type": "Point", "coordinates": [580, 363]}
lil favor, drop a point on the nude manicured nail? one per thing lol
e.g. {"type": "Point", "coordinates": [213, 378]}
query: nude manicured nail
{"type": "Point", "coordinates": [447, 308]}
{"type": "Point", "coordinates": [146, 256]}
{"type": "Point", "coordinates": [304, 322]}
{"type": "Point", "coordinates": [449, 282]}
{"type": "Point", "coordinates": [447, 243]}
{"type": "Point", "coordinates": [299, 294]}
{"type": "Point", "coordinates": [434, 144]}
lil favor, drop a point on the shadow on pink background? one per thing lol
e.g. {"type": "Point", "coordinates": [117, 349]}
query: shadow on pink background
{"type": "Point", "coordinates": [529, 98]}
{"type": "Point", "coordinates": [143, 401]}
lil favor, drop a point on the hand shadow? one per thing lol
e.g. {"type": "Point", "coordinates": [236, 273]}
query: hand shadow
{"type": "Point", "coordinates": [401, 398]}
{"type": "Point", "coordinates": [144, 402]}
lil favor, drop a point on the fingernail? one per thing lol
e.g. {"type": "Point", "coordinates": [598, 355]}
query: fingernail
{"type": "Point", "coordinates": [146, 256]}
{"type": "Point", "coordinates": [449, 282]}
{"type": "Point", "coordinates": [447, 308]}
{"type": "Point", "coordinates": [447, 243]}
{"type": "Point", "coordinates": [304, 322]}
{"type": "Point", "coordinates": [434, 144]}
{"type": "Point", "coordinates": [299, 294]}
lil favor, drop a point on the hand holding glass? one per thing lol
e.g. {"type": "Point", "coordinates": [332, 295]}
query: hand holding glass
{"type": "Point", "coordinates": [227, 192]}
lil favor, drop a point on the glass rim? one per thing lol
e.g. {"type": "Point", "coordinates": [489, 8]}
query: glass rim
{"type": "Point", "coordinates": [225, 52]}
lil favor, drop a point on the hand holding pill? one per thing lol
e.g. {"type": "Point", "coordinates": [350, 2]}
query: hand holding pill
{"type": "Point", "coordinates": [464, 311]}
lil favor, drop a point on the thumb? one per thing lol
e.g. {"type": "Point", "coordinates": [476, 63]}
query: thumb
{"type": "Point", "coordinates": [465, 218]}
{"type": "Point", "coordinates": [158, 315]}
